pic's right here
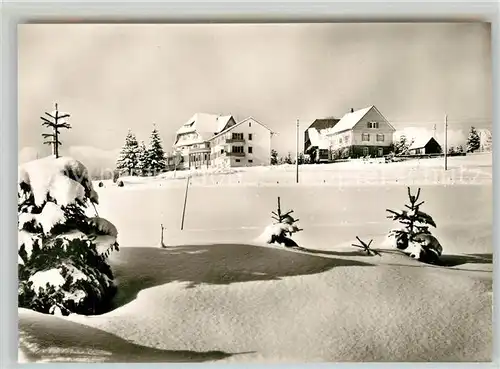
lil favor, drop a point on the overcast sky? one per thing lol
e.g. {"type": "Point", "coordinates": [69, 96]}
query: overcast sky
{"type": "Point", "coordinates": [112, 78]}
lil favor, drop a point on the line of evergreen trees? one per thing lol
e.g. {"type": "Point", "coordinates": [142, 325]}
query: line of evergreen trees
{"type": "Point", "coordinates": [138, 160]}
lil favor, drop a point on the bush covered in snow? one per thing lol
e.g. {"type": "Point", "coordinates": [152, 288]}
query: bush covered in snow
{"type": "Point", "coordinates": [62, 252]}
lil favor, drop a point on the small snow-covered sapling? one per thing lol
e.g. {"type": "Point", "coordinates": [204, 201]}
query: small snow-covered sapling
{"type": "Point", "coordinates": [284, 224]}
{"type": "Point", "coordinates": [416, 224]}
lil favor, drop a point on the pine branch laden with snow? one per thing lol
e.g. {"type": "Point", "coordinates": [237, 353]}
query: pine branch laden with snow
{"type": "Point", "coordinates": [61, 252]}
{"type": "Point", "coordinates": [414, 228]}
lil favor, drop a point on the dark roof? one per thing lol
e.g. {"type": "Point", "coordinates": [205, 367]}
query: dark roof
{"type": "Point", "coordinates": [324, 123]}
{"type": "Point", "coordinates": [422, 142]}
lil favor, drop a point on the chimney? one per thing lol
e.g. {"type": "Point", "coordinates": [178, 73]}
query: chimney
{"type": "Point", "coordinates": [352, 110]}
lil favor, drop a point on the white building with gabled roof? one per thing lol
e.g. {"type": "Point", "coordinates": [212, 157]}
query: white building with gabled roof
{"type": "Point", "coordinates": [208, 140]}
{"type": "Point", "coordinates": [363, 132]}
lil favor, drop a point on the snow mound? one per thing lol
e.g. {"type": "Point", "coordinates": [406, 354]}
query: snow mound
{"type": "Point", "coordinates": [64, 179]}
{"type": "Point", "coordinates": [44, 338]}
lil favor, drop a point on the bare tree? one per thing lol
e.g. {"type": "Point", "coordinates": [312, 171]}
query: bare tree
{"type": "Point", "coordinates": [56, 122]}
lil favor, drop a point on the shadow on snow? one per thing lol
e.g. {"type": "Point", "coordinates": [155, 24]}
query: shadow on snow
{"type": "Point", "coordinates": [49, 338]}
{"type": "Point", "coordinates": [139, 268]}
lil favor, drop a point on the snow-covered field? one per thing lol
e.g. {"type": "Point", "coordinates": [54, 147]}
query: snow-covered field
{"type": "Point", "coordinates": [214, 294]}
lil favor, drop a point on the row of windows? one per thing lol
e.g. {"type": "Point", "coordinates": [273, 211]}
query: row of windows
{"type": "Point", "coordinates": [372, 125]}
{"type": "Point", "coordinates": [234, 136]}
{"type": "Point", "coordinates": [241, 149]}
{"type": "Point", "coordinates": [344, 140]}
{"type": "Point", "coordinates": [198, 158]}
{"type": "Point", "coordinates": [366, 137]}
{"type": "Point", "coordinates": [234, 149]}
{"type": "Point", "coordinates": [366, 151]}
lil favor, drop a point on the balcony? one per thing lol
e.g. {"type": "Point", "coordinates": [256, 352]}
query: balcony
{"type": "Point", "coordinates": [236, 154]}
{"type": "Point", "coordinates": [234, 140]}
{"type": "Point", "coordinates": [199, 150]}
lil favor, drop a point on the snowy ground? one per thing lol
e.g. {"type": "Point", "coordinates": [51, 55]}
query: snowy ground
{"type": "Point", "coordinates": [216, 295]}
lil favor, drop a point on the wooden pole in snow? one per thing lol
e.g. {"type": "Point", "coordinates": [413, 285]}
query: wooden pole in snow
{"type": "Point", "coordinates": [56, 135]}
{"type": "Point", "coordinates": [161, 239]}
{"type": "Point", "coordinates": [297, 155]}
{"type": "Point", "coordinates": [185, 201]}
{"type": "Point", "coordinates": [445, 142]}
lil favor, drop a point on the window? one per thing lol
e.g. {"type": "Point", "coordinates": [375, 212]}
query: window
{"type": "Point", "coordinates": [250, 160]}
{"type": "Point", "coordinates": [365, 151]}
{"type": "Point", "coordinates": [222, 151]}
{"type": "Point", "coordinates": [237, 160]}
{"type": "Point", "coordinates": [249, 124]}
{"type": "Point", "coordinates": [372, 124]}
{"type": "Point", "coordinates": [237, 136]}
{"type": "Point", "coordinates": [250, 150]}
{"type": "Point", "coordinates": [237, 149]}
{"type": "Point", "coordinates": [250, 137]}
{"type": "Point", "coordinates": [380, 138]}
{"type": "Point", "coordinates": [365, 137]}
{"type": "Point", "coordinates": [340, 140]}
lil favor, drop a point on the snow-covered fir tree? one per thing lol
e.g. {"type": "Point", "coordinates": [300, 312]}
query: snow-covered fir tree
{"type": "Point", "coordinates": [402, 146]}
{"type": "Point", "coordinates": [62, 252]}
{"type": "Point", "coordinates": [142, 160]}
{"type": "Point", "coordinates": [288, 159]}
{"type": "Point", "coordinates": [473, 141]}
{"type": "Point", "coordinates": [274, 157]}
{"type": "Point", "coordinates": [156, 162]}
{"type": "Point", "coordinates": [127, 161]}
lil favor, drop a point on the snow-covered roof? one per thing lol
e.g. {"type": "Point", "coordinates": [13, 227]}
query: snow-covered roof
{"type": "Point", "coordinates": [349, 120]}
{"type": "Point", "coordinates": [206, 125]}
{"type": "Point", "coordinates": [318, 139]}
{"type": "Point", "coordinates": [239, 123]}
{"type": "Point", "coordinates": [420, 142]}
{"type": "Point", "coordinates": [323, 123]}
